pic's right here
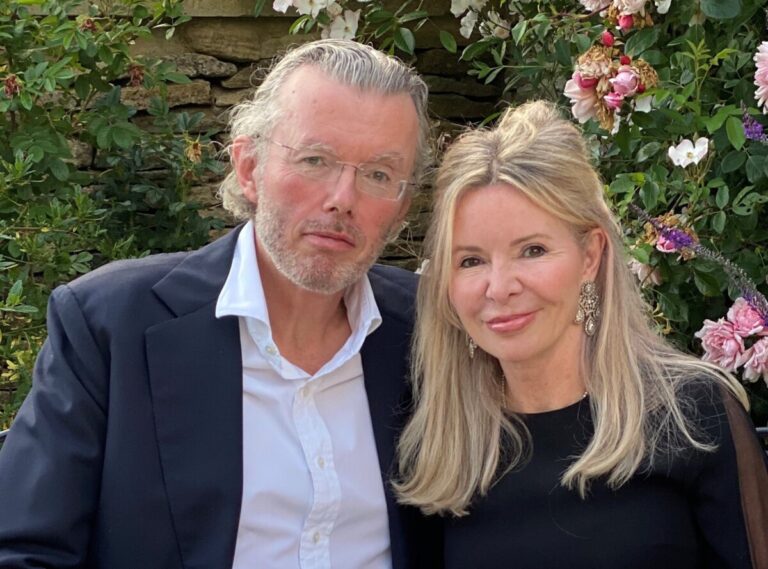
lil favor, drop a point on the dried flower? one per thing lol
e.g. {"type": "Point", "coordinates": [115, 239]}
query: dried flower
{"type": "Point", "coordinates": [135, 75]}
{"type": "Point", "coordinates": [12, 85]}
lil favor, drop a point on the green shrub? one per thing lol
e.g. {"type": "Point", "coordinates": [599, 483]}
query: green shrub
{"type": "Point", "coordinates": [60, 89]}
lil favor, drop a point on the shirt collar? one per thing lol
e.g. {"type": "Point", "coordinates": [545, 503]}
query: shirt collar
{"type": "Point", "coordinates": [243, 293]}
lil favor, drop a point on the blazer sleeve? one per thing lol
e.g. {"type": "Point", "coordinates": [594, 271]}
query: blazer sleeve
{"type": "Point", "coordinates": [51, 462]}
{"type": "Point", "coordinates": [731, 490]}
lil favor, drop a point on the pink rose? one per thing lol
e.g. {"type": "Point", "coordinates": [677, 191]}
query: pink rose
{"type": "Point", "coordinates": [583, 101]}
{"type": "Point", "coordinates": [626, 22]}
{"type": "Point", "coordinates": [722, 345]}
{"type": "Point", "coordinates": [755, 361]}
{"type": "Point", "coordinates": [746, 320]}
{"type": "Point", "coordinates": [626, 81]}
{"type": "Point", "coordinates": [665, 245]}
{"type": "Point", "coordinates": [584, 82]}
{"type": "Point", "coordinates": [613, 100]}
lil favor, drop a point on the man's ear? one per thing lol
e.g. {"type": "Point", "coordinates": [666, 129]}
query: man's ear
{"type": "Point", "coordinates": [244, 162]}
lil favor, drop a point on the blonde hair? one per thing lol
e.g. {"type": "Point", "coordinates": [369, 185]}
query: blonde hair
{"type": "Point", "coordinates": [451, 450]}
{"type": "Point", "coordinates": [346, 61]}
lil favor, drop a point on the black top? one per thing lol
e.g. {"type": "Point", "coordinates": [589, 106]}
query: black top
{"type": "Point", "coordinates": [682, 512]}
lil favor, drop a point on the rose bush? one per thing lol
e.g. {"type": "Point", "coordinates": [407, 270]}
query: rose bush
{"type": "Point", "coordinates": [670, 94]}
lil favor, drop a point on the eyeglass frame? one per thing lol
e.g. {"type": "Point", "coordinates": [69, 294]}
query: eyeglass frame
{"type": "Point", "coordinates": [403, 185]}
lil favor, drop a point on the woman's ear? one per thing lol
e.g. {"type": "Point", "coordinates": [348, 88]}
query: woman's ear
{"type": "Point", "coordinates": [244, 162]}
{"type": "Point", "coordinates": [594, 245]}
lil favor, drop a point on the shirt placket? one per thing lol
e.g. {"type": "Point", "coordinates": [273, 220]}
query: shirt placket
{"type": "Point", "coordinates": [314, 547]}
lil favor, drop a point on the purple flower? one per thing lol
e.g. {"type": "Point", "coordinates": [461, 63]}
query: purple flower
{"type": "Point", "coordinates": [753, 130]}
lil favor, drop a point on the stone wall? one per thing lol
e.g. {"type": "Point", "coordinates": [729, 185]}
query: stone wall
{"type": "Point", "coordinates": [224, 51]}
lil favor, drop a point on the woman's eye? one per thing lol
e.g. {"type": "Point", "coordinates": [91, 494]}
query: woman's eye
{"type": "Point", "coordinates": [534, 251]}
{"type": "Point", "coordinates": [469, 262]}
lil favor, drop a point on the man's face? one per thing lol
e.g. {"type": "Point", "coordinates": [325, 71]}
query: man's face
{"type": "Point", "coordinates": [324, 235]}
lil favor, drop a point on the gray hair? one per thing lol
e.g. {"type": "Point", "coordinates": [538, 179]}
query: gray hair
{"type": "Point", "coordinates": [346, 61]}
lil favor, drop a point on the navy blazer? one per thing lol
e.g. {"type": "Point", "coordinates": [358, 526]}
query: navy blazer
{"type": "Point", "coordinates": [127, 453]}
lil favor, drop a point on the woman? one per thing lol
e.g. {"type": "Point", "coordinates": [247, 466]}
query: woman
{"type": "Point", "coordinates": [552, 426]}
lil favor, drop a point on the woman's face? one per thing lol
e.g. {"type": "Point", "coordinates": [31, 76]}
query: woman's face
{"type": "Point", "coordinates": [516, 272]}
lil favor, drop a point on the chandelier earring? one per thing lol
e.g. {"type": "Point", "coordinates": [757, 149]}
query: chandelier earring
{"type": "Point", "coordinates": [589, 307]}
{"type": "Point", "coordinates": [471, 346]}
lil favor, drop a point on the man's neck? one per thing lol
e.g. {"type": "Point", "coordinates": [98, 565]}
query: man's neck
{"type": "Point", "coordinates": [307, 327]}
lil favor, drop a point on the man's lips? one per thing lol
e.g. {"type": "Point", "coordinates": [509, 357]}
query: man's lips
{"type": "Point", "coordinates": [331, 239]}
{"type": "Point", "coordinates": [510, 322]}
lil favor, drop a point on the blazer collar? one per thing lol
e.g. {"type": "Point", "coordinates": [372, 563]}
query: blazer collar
{"type": "Point", "coordinates": [197, 280]}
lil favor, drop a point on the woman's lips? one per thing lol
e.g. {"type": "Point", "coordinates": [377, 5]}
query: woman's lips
{"type": "Point", "coordinates": [510, 323]}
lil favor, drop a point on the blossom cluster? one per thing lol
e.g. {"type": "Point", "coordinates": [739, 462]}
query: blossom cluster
{"type": "Point", "coordinates": [626, 14]}
{"type": "Point", "coordinates": [727, 341]}
{"type": "Point", "coordinates": [493, 25]}
{"type": "Point", "coordinates": [604, 80]}
{"type": "Point", "coordinates": [761, 76]}
{"type": "Point", "coordinates": [343, 23]}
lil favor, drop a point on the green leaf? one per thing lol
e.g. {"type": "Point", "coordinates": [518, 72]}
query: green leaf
{"type": "Point", "coordinates": [258, 6]}
{"type": "Point", "coordinates": [59, 170]}
{"type": "Point", "coordinates": [14, 295]}
{"type": "Point", "coordinates": [642, 40]}
{"type": "Point", "coordinates": [647, 151]}
{"type": "Point", "coordinates": [733, 161]}
{"type": "Point", "coordinates": [649, 193]}
{"type": "Point", "coordinates": [175, 77]}
{"type": "Point", "coordinates": [379, 16]}
{"type": "Point", "coordinates": [417, 15]}
{"type": "Point", "coordinates": [721, 9]}
{"type": "Point", "coordinates": [755, 171]}
{"type": "Point", "coordinates": [714, 123]}
{"type": "Point", "coordinates": [122, 136]}
{"type": "Point", "coordinates": [519, 31]}
{"type": "Point", "coordinates": [474, 50]}
{"type": "Point", "coordinates": [718, 221]}
{"type": "Point", "coordinates": [448, 41]}
{"type": "Point", "coordinates": [735, 131]}
{"type": "Point", "coordinates": [706, 283]}
{"type": "Point", "coordinates": [641, 253]}
{"type": "Point", "coordinates": [405, 41]}
{"type": "Point", "coordinates": [722, 197]}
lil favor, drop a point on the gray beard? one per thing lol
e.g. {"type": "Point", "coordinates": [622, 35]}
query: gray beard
{"type": "Point", "coordinates": [320, 273]}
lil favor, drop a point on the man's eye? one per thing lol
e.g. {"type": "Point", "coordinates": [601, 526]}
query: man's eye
{"type": "Point", "coordinates": [469, 262]}
{"type": "Point", "coordinates": [314, 161]}
{"type": "Point", "coordinates": [534, 251]}
{"type": "Point", "coordinates": [379, 176]}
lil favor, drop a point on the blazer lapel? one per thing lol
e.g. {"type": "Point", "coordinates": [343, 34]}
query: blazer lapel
{"type": "Point", "coordinates": [385, 369]}
{"type": "Point", "coordinates": [195, 372]}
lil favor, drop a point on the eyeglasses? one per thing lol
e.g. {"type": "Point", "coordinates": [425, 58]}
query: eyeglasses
{"type": "Point", "coordinates": [376, 179]}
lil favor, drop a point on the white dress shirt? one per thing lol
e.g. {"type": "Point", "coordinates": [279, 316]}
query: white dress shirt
{"type": "Point", "coordinates": [312, 488]}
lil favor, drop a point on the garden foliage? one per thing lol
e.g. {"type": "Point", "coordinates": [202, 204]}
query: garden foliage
{"type": "Point", "coordinates": [665, 91]}
{"type": "Point", "coordinates": [63, 65]}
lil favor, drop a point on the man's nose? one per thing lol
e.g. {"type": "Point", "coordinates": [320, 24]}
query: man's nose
{"type": "Point", "coordinates": [342, 194]}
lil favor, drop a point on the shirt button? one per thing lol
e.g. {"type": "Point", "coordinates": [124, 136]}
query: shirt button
{"type": "Point", "coordinates": [271, 350]}
{"type": "Point", "coordinates": [316, 537]}
{"type": "Point", "coordinates": [320, 462]}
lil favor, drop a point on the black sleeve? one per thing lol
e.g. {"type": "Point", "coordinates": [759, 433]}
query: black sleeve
{"type": "Point", "coordinates": [731, 489]}
{"type": "Point", "coordinates": [51, 462]}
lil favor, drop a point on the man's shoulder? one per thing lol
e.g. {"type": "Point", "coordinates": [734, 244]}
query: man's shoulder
{"type": "Point", "coordinates": [394, 289]}
{"type": "Point", "coordinates": [128, 274]}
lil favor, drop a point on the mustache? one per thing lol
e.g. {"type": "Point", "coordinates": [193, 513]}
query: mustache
{"type": "Point", "coordinates": [334, 226]}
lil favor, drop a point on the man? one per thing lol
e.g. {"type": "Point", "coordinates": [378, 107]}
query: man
{"type": "Point", "coordinates": [237, 406]}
